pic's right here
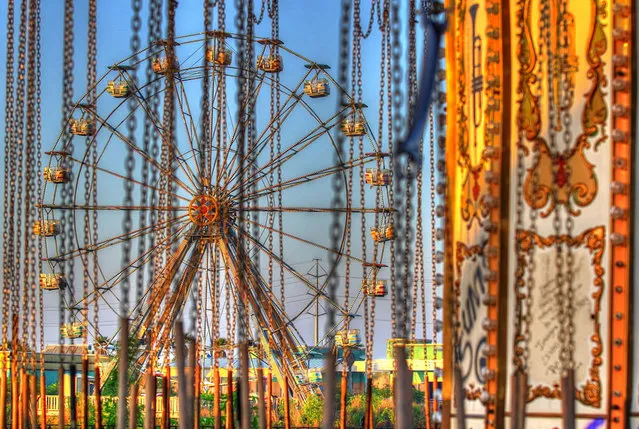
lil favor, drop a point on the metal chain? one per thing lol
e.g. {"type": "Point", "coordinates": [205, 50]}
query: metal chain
{"type": "Point", "coordinates": [31, 241]}
{"type": "Point", "coordinates": [19, 136]}
{"type": "Point", "coordinates": [129, 163]}
{"type": "Point", "coordinates": [7, 255]}
{"type": "Point", "coordinates": [67, 224]}
{"type": "Point", "coordinates": [91, 82]}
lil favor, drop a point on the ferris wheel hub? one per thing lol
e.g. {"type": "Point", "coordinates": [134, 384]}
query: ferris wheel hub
{"type": "Point", "coordinates": [203, 210]}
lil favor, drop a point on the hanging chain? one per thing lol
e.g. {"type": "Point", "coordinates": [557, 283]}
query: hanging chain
{"type": "Point", "coordinates": [68, 220]}
{"type": "Point", "coordinates": [21, 277]}
{"type": "Point", "coordinates": [39, 190]}
{"type": "Point", "coordinates": [7, 236]}
{"type": "Point", "coordinates": [91, 82]}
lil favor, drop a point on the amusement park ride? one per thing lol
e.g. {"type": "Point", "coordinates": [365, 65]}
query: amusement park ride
{"type": "Point", "coordinates": [523, 128]}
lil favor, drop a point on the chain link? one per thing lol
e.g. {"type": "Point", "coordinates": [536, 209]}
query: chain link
{"type": "Point", "coordinates": [7, 236]}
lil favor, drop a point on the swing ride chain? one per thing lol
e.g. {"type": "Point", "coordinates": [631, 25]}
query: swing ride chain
{"type": "Point", "coordinates": [7, 256]}
{"type": "Point", "coordinates": [567, 94]}
{"type": "Point", "coordinates": [402, 238]}
{"type": "Point", "coordinates": [38, 139]}
{"type": "Point", "coordinates": [67, 225]}
{"type": "Point", "coordinates": [31, 239]}
{"type": "Point", "coordinates": [278, 138]}
{"type": "Point", "coordinates": [91, 78]}
{"type": "Point", "coordinates": [19, 138]}
{"type": "Point", "coordinates": [129, 163]}
{"type": "Point", "coordinates": [412, 98]}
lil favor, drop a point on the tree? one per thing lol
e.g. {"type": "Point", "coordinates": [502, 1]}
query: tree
{"type": "Point", "coordinates": [312, 411]}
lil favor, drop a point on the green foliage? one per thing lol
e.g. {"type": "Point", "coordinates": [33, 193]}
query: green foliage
{"type": "Point", "coordinates": [312, 411]}
{"type": "Point", "coordinates": [110, 413]}
{"type": "Point", "coordinates": [52, 389]}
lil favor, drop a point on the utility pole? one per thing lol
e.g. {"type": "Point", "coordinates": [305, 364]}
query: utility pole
{"type": "Point", "coordinates": [317, 276]}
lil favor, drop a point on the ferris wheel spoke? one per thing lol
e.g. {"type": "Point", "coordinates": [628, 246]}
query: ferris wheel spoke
{"type": "Point", "coordinates": [190, 128]}
{"type": "Point", "coordinates": [106, 208]}
{"type": "Point", "coordinates": [111, 241]}
{"type": "Point", "coordinates": [269, 130]}
{"type": "Point", "coordinates": [291, 151]}
{"type": "Point", "coordinates": [316, 175]}
{"type": "Point", "coordinates": [135, 265]}
{"type": "Point", "coordinates": [363, 210]}
{"type": "Point", "coordinates": [119, 176]}
{"type": "Point", "coordinates": [140, 152]}
{"type": "Point", "coordinates": [292, 271]}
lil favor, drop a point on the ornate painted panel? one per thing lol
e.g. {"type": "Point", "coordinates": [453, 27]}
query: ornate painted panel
{"type": "Point", "coordinates": [540, 144]}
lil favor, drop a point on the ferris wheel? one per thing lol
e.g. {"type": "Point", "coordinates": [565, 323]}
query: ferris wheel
{"type": "Point", "coordinates": [186, 209]}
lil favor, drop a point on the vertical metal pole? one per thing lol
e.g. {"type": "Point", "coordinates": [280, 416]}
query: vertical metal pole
{"type": "Point", "coordinates": [97, 394]}
{"type": "Point", "coordinates": [133, 407]}
{"type": "Point", "coordinates": [427, 399]}
{"type": "Point", "coordinates": [287, 406]}
{"type": "Point", "coordinates": [260, 397]}
{"type": "Point", "coordinates": [216, 398]}
{"type": "Point", "coordinates": [14, 390]}
{"type": "Point", "coordinates": [33, 402]}
{"type": "Point", "coordinates": [182, 388]}
{"type": "Point", "coordinates": [166, 398]}
{"type": "Point", "coordinates": [123, 376]}
{"type": "Point", "coordinates": [568, 398]}
{"type": "Point", "coordinates": [229, 400]}
{"type": "Point", "coordinates": [269, 399]}
{"type": "Point", "coordinates": [150, 392]}
{"type": "Point", "coordinates": [459, 398]}
{"type": "Point", "coordinates": [342, 394]}
{"type": "Point", "coordinates": [73, 403]}
{"type": "Point", "coordinates": [519, 395]}
{"type": "Point", "coordinates": [85, 392]}
{"type": "Point", "coordinates": [61, 416]}
{"type": "Point", "coordinates": [3, 393]}
{"type": "Point", "coordinates": [369, 405]}
{"type": "Point", "coordinates": [43, 400]}
{"type": "Point", "coordinates": [243, 383]}
{"type": "Point", "coordinates": [23, 421]}
{"type": "Point", "coordinates": [403, 391]}
{"type": "Point", "coordinates": [196, 393]}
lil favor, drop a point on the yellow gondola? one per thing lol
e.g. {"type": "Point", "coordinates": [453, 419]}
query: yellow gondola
{"type": "Point", "coordinates": [383, 233]}
{"type": "Point", "coordinates": [118, 88]}
{"type": "Point", "coordinates": [219, 56]}
{"type": "Point", "coordinates": [317, 88]}
{"type": "Point", "coordinates": [46, 228]}
{"type": "Point", "coordinates": [82, 127]}
{"type": "Point", "coordinates": [314, 376]}
{"type": "Point", "coordinates": [72, 330]}
{"type": "Point", "coordinates": [378, 289]}
{"type": "Point", "coordinates": [353, 126]}
{"type": "Point", "coordinates": [161, 65]}
{"type": "Point", "coordinates": [270, 63]}
{"type": "Point", "coordinates": [56, 175]}
{"type": "Point", "coordinates": [52, 281]}
{"type": "Point", "coordinates": [377, 177]}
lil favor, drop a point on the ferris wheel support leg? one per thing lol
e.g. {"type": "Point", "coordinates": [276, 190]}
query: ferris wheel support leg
{"type": "Point", "coordinates": [166, 399]}
{"type": "Point", "coordinates": [342, 396]}
{"type": "Point", "coordinates": [133, 406]}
